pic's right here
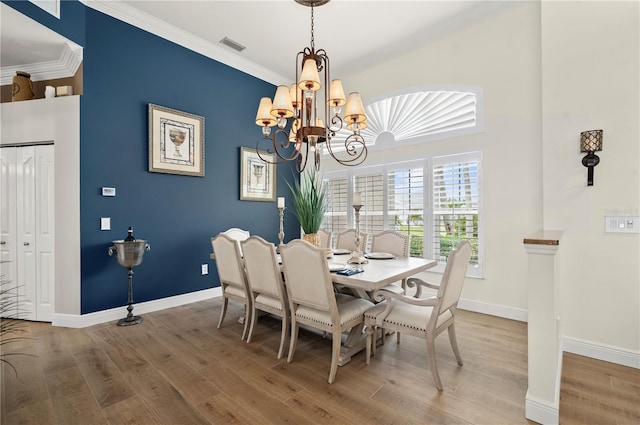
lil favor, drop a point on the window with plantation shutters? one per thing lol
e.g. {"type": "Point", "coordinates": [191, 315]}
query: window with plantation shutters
{"type": "Point", "coordinates": [455, 204]}
{"type": "Point", "coordinates": [436, 201]}
{"type": "Point", "coordinates": [405, 203]}
{"type": "Point", "coordinates": [369, 182]}
{"type": "Point", "coordinates": [335, 219]}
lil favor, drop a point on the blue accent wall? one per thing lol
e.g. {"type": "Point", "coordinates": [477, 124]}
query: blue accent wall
{"type": "Point", "coordinates": [125, 69]}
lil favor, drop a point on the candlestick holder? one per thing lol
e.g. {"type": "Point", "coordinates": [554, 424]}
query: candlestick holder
{"type": "Point", "coordinates": [281, 233]}
{"type": "Point", "coordinates": [357, 257]}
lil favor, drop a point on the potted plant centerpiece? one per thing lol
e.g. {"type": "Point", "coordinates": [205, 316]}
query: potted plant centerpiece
{"type": "Point", "coordinates": [309, 204]}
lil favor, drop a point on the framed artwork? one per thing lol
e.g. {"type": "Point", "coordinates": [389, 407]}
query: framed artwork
{"type": "Point", "coordinates": [176, 142]}
{"type": "Point", "coordinates": [257, 178]}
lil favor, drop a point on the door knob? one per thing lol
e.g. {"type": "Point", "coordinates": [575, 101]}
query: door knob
{"type": "Point", "coordinates": [2, 242]}
{"type": "Point", "coordinates": [25, 243]}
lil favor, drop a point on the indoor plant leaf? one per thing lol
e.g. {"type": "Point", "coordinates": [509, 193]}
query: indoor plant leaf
{"type": "Point", "coordinates": [309, 201]}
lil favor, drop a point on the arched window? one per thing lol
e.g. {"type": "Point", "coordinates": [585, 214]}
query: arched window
{"type": "Point", "coordinates": [418, 116]}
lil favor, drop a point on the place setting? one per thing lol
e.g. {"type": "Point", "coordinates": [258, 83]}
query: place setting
{"type": "Point", "coordinates": [379, 256]}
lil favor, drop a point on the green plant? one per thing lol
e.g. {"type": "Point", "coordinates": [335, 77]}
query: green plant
{"type": "Point", "coordinates": [309, 201]}
{"type": "Point", "coordinates": [416, 248]}
{"type": "Point", "coordinates": [10, 326]}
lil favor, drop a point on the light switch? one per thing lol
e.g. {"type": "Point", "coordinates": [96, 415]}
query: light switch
{"type": "Point", "coordinates": [105, 223]}
{"type": "Point", "coordinates": [621, 224]}
{"type": "Point", "coordinates": [204, 269]}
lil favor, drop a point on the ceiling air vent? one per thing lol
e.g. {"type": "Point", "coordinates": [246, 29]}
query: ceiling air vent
{"type": "Point", "coordinates": [233, 44]}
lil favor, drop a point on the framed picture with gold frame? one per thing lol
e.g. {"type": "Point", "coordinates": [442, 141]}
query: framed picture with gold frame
{"type": "Point", "coordinates": [176, 142]}
{"type": "Point", "coordinates": [257, 177]}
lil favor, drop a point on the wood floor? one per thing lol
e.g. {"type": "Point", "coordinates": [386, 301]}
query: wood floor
{"type": "Point", "coordinates": [177, 368]}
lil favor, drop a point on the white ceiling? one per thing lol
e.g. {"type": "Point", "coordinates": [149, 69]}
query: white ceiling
{"type": "Point", "coordinates": [355, 33]}
{"type": "Point", "coordinates": [26, 45]}
{"type": "Point", "coordinates": [26, 41]}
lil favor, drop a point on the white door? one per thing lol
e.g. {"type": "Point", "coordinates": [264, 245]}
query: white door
{"type": "Point", "coordinates": [45, 237]}
{"type": "Point", "coordinates": [33, 243]}
{"type": "Point", "coordinates": [8, 229]}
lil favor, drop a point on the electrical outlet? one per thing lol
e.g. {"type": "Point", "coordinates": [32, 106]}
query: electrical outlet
{"type": "Point", "coordinates": [204, 269]}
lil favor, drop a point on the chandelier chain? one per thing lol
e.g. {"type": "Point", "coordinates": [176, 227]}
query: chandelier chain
{"type": "Point", "coordinates": [312, 37]}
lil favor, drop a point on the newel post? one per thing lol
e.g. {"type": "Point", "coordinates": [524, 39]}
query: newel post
{"type": "Point", "coordinates": [545, 356]}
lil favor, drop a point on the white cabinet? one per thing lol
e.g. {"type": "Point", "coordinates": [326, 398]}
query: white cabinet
{"type": "Point", "coordinates": [27, 238]}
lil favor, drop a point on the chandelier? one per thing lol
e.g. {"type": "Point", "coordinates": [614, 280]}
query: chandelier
{"type": "Point", "coordinates": [314, 106]}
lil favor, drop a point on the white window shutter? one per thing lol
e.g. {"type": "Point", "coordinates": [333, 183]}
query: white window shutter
{"type": "Point", "coordinates": [456, 196]}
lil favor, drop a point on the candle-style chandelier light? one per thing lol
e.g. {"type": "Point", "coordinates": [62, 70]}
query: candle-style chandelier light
{"type": "Point", "coordinates": [312, 126]}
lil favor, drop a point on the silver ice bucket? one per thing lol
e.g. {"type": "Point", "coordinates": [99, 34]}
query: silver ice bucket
{"type": "Point", "coordinates": [129, 253]}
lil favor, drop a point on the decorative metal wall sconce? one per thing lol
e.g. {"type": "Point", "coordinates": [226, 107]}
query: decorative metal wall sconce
{"type": "Point", "coordinates": [590, 142]}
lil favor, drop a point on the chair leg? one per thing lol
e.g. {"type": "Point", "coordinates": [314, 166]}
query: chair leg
{"type": "Point", "coordinates": [431, 353]}
{"type": "Point", "coordinates": [223, 311]}
{"type": "Point", "coordinates": [370, 331]}
{"type": "Point", "coordinates": [398, 337]}
{"type": "Point", "coordinates": [454, 344]}
{"type": "Point", "coordinates": [335, 354]}
{"type": "Point", "coordinates": [374, 343]}
{"type": "Point", "coordinates": [247, 318]}
{"type": "Point", "coordinates": [254, 319]}
{"type": "Point", "coordinates": [294, 339]}
{"type": "Point", "coordinates": [283, 335]}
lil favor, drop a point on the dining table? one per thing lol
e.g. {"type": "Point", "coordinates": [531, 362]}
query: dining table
{"type": "Point", "coordinates": [376, 273]}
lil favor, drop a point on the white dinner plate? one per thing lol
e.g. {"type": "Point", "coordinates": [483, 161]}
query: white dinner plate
{"type": "Point", "coordinates": [334, 267]}
{"type": "Point", "coordinates": [341, 251]}
{"type": "Point", "coordinates": [379, 256]}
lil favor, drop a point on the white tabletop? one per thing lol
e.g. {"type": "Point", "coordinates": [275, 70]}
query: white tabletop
{"type": "Point", "coordinates": [378, 273]}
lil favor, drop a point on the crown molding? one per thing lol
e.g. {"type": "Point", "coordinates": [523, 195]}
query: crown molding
{"type": "Point", "coordinates": [139, 19]}
{"type": "Point", "coordinates": [63, 67]}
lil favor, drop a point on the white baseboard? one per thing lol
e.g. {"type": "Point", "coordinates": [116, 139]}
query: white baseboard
{"type": "Point", "coordinates": [590, 349]}
{"type": "Point", "coordinates": [493, 310]}
{"type": "Point", "coordinates": [602, 352]}
{"type": "Point", "coordinates": [84, 320]}
{"type": "Point", "coordinates": [541, 411]}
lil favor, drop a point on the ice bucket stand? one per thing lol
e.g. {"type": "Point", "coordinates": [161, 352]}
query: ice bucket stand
{"type": "Point", "coordinates": [130, 254]}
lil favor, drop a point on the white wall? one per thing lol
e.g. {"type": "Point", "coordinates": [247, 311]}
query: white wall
{"type": "Point", "coordinates": [57, 120]}
{"type": "Point", "coordinates": [549, 70]}
{"type": "Point", "coordinates": [501, 55]}
{"type": "Point", "coordinates": [590, 63]}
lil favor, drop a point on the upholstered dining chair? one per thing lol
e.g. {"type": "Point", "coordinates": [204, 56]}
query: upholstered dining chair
{"type": "Point", "coordinates": [265, 284]}
{"type": "Point", "coordinates": [313, 302]}
{"type": "Point", "coordinates": [325, 238]}
{"type": "Point", "coordinates": [346, 240]}
{"type": "Point", "coordinates": [237, 234]}
{"type": "Point", "coordinates": [232, 276]}
{"type": "Point", "coordinates": [394, 243]}
{"type": "Point", "coordinates": [423, 317]}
